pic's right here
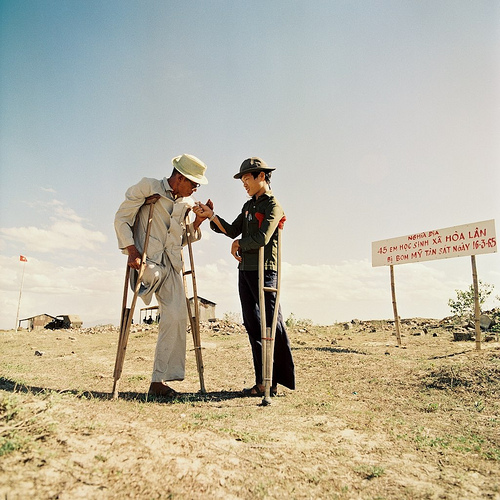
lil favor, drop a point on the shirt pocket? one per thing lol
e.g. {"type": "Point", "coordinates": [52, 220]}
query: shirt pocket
{"type": "Point", "coordinates": [253, 226]}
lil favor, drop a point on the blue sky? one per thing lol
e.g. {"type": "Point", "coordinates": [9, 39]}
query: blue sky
{"type": "Point", "coordinates": [382, 119]}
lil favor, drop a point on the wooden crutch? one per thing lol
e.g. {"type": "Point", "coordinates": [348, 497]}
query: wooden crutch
{"type": "Point", "coordinates": [268, 333]}
{"type": "Point", "coordinates": [194, 320]}
{"type": "Point", "coordinates": [128, 313]}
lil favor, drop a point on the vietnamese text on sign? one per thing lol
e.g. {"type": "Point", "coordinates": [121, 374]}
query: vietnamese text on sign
{"type": "Point", "coordinates": [458, 241]}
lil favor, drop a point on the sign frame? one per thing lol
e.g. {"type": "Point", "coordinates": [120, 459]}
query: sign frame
{"type": "Point", "coordinates": [457, 241]}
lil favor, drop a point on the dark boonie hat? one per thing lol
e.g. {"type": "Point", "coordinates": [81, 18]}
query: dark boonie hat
{"type": "Point", "coordinates": [253, 165]}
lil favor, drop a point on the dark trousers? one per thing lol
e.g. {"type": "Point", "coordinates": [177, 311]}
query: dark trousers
{"type": "Point", "coordinates": [283, 367]}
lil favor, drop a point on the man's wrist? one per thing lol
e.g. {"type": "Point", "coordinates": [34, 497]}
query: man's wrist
{"type": "Point", "coordinates": [212, 217]}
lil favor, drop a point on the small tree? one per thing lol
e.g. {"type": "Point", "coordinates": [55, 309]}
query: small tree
{"type": "Point", "coordinates": [291, 321]}
{"type": "Point", "coordinates": [463, 305]}
{"type": "Point", "coordinates": [300, 323]}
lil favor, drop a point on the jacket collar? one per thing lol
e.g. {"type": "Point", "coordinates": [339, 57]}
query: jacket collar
{"type": "Point", "coordinates": [267, 194]}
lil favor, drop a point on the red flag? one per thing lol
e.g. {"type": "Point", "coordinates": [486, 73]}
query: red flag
{"type": "Point", "coordinates": [22, 258]}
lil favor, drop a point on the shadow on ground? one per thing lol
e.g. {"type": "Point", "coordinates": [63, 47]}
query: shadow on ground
{"type": "Point", "coordinates": [13, 386]}
{"type": "Point", "coordinates": [333, 350]}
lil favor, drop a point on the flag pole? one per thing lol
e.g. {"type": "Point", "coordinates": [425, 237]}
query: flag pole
{"type": "Point", "coordinates": [20, 292]}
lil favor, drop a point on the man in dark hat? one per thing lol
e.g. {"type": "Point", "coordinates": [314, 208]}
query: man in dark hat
{"type": "Point", "coordinates": [258, 226]}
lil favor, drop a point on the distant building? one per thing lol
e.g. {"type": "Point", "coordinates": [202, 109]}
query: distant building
{"type": "Point", "coordinates": [151, 314]}
{"type": "Point", "coordinates": [206, 307]}
{"type": "Point", "coordinates": [36, 322]}
{"type": "Point", "coordinates": [65, 321]}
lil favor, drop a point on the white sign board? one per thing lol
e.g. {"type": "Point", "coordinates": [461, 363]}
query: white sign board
{"type": "Point", "coordinates": [458, 241]}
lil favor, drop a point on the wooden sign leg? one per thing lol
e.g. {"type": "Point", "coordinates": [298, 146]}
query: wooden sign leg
{"type": "Point", "coordinates": [395, 308]}
{"type": "Point", "coordinates": [477, 310]}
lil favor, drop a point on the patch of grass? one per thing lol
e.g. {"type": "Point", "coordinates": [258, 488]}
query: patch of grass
{"type": "Point", "coordinates": [15, 367]}
{"type": "Point", "coordinates": [260, 490]}
{"type": "Point", "coordinates": [86, 427]}
{"type": "Point", "coordinates": [479, 406]}
{"type": "Point", "coordinates": [431, 408]}
{"type": "Point", "coordinates": [423, 440]}
{"type": "Point", "coordinates": [210, 416]}
{"type": "Point", "coordinates": [493, 454]}
{"type": "Point", "coordinates": [10, 440]}
{"type": "Point", "coordinates": [473, 443]}
{"type": "Point", "coordinates": [370, 471]}
{"type": "Point", "coordinates": [137, 378]}
{"type": "Point", "coordinates": [314, 479]}
{"type": "Point", "coordinates": [9, 443]}
{"type": "Point", "coordinates": [470, 443]}
{"type": "Point", "coordinates": [22, 425]}
{"type": "Point", "coordinates": [9, 408]}
{"type": "Point", "coordinates": [476, 375]}
{"type": "Point", "coordinates": [244, 437]}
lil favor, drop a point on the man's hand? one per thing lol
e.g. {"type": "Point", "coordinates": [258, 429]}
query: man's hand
{"type": "Point", "coordinates": [134, 257]}
{"type": "Point", "coordinates": [204, 211]}
{"type": "Point", "coordinates": [236, 250]}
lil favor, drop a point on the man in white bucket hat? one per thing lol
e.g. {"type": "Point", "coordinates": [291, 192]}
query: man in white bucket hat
{"type": "Point", "coordinates": [162, 274]}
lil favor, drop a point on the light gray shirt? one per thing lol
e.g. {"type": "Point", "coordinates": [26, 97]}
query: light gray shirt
{"type": "Point", "coordinates": [168, 227]}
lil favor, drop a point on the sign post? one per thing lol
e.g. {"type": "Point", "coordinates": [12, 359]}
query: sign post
{"type": "Point", "coordinates": [457, 241]}
{"type": "Point", "coordinates": [477, 311]}
{"type": "Point", "coordinates": [397, 324]}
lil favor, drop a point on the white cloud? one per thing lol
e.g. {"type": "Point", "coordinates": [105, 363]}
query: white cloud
{"type": "Point", "coordinates": [63, 212]}
{"type": "Point", "coordinates": [66, 232]}
{"type": "Point", "coordinates": [323, 293]}
{"type": "Point", "coordinates": [58, 236]}
{"type": "Point", "coordinates": [351, 289]}
{"type": "Point", "coordinates": [92, 293]}
{"type": "Point", "coordinates": [354, 289]}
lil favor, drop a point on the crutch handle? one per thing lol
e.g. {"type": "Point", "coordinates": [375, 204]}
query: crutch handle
{"type": "Point", "coordinates": [152, 199]}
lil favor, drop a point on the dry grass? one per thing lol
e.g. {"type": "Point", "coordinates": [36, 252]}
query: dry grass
{"type": "Point", "coordinates": [368, 420]}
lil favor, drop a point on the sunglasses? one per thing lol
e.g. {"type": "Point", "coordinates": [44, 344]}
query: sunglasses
{"type": "Point", "coordinates": [194, 184]}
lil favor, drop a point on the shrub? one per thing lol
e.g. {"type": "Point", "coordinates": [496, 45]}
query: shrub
{"type": "Point", "coordinates": [463, 305]}
{"type": "Point", "coordinates": [291, 322]}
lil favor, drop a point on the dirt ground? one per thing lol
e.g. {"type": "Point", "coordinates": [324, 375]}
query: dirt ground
{"type": "Point", "coordinates": [369, 419]}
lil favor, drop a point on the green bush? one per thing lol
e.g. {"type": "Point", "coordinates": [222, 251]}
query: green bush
{"type": "Point", "coordinates": [463, 305]}
{"type": "Point", "coordinates": [291, 322]}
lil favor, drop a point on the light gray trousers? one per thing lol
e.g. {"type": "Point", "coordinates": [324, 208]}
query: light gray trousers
{"type": "Point", "coordinates": [170, 354]}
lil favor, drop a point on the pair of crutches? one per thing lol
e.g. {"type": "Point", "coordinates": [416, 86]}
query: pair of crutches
{"type": "Point", "coordinates": [268, 333]}
{"type": "Point", "coordinates": [127, 313]}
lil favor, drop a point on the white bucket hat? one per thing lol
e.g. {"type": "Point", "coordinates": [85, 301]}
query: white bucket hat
{"type": "Point", "coordinates": [191, 167]}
